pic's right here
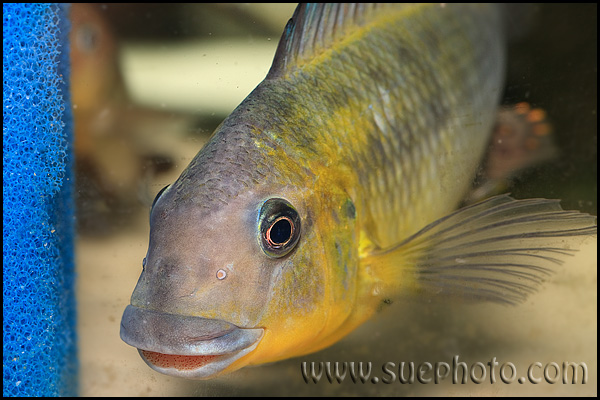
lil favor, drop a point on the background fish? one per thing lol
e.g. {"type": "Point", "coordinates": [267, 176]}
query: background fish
{"type": "Point", "coordinates": [119, 144]}
{"type": "Point", "coordinates": [315, 200]}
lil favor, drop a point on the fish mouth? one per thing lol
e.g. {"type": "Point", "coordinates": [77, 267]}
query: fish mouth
{"type": "Point", "coordinates": [186, 346]}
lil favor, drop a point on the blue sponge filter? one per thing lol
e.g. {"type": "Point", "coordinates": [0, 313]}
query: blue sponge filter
{"type": "Point", "coordinates": [39, 339]}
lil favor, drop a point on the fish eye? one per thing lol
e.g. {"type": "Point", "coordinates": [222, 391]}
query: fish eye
{"type": "Point", "coordinates": [158, 195]}
{"type": "Point", "coordinates": [279, 226]}
{"type": "Point", "coordinates": [87, 38]}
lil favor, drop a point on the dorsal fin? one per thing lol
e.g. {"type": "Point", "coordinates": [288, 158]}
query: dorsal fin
{"type": "Point", "coordinates": [314, 28]}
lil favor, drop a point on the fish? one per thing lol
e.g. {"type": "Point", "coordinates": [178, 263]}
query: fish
{"type": "Point", "coordinates": [335, 186]}
{"type": "Point", "coordinates": [116, 139]}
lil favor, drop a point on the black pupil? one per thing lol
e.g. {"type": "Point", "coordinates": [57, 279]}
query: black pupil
{"type": "Point", "coordinates": [281, 231]}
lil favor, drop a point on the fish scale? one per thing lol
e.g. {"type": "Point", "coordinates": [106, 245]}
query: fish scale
{"type": "Point", "coordinates": [393, 160]}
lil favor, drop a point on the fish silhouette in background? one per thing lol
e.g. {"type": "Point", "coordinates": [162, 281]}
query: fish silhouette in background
{"type": "Point", "coordinates": [334, 186]}
{"type": "Point", "coordinates": [115, 139]}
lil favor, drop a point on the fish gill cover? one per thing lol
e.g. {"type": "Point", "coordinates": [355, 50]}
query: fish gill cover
{"type": "Point", "coordinates": [39, 340]}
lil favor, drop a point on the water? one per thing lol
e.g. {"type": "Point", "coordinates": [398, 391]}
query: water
{"type": "Point", "coordinates": [553, 66]}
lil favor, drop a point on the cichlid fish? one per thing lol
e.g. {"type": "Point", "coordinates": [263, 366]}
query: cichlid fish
{"type": "Point", "coordinates": [333, 186]}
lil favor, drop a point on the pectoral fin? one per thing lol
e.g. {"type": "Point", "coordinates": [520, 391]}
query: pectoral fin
{"type": "Point", "coordinates": [500, 249]}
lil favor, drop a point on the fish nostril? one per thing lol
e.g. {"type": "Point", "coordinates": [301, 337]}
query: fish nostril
{"type": "Point", "coordinates": [221, 274]}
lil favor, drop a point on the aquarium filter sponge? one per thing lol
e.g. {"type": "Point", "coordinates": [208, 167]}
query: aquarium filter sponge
{"type": "Point", "coordinates": [39, 339]}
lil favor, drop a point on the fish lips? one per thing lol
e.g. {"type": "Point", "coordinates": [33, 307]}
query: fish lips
{"type": "Point", "coordinates": [186, 346]}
